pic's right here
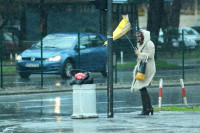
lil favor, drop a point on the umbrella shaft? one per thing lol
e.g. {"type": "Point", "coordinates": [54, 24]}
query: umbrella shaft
{"type": "Point", "coordinates": [130, 42]}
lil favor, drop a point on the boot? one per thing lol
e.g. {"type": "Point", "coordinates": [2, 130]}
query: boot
{"type": "Point", "coordinates": [147, 111]}
{"type": "Point", "coordinates": [146, 102]}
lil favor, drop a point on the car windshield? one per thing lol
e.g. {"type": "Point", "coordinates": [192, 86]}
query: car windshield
{"type": "Point", "coordinates": [188, 31]}
{"type": "Point", "coordinates": [58, 41]}
{"type": "Point", "coordinates": [9, 37]}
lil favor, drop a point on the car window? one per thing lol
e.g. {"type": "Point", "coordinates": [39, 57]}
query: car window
{"type": "Point", "coordinates": [192, 32]}
{"type": "Point", "coordinates": [9, 37]}
{"type": "Point", "coordinates": [91, 41]}
{"type": "Point", "coordinates": [188, 31]}
{"type": "Point", "coordinates": [58, 41]}
{"type": "Point", "coordinates": [96, 41]}
{"type": "Point", "coordinates": [85, 41]}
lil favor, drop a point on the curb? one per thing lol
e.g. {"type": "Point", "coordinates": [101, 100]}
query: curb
{"type": "Point", "coordinates": [99, 87]}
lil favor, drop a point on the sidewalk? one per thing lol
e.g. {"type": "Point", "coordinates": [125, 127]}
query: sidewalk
{"type": "Point", "coordinates": [163, 121]}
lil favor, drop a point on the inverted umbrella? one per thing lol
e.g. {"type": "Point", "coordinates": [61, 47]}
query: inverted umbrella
{"type": "Point", "coordinates": [123, 27]}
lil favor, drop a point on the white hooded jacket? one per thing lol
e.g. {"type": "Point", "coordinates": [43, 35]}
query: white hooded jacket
{"type": "Point", "coordinates": [147, 49]}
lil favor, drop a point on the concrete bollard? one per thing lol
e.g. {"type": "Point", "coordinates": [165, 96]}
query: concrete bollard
{"type": "Point", "coordinates": [84, 101]}
{"type": "Point", "coordinates": [160, 94]}
{"type": "Point", "coordinates": [183, 92]}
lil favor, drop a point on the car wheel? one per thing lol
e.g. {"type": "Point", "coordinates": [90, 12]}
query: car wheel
{"type": "Point", "coordinates": [24, 75]}
{"type": "Point", "coordinates": [105, 70]}
{"type": "Point", "coordinates": [66, 73]}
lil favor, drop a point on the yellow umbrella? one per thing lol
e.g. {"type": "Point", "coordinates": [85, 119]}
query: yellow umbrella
{"type": "Point", "coordinates": [121, 29]}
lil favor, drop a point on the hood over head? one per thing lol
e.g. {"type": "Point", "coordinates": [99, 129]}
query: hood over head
{"type": "Point", "coordinates": [147, 37]}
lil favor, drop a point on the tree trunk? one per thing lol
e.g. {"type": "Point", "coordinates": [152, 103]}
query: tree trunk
{"type": "Point", "coordinates": [175, 13]}
{"type": "Point", "coordinates": [154, 19]}
{"type": "Point", "coordinates": [170, 23]}
{"type": "Point", "coordinates": [155, 16]}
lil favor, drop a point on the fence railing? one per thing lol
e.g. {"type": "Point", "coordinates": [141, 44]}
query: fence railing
{"type": "Point", "coordinates": [166, 50]}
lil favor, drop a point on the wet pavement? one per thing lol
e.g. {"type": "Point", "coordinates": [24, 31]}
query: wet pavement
{"type": "Point", "coordinates": [51, 112]}
{"type": "Point", "coordinates": [163, 121]}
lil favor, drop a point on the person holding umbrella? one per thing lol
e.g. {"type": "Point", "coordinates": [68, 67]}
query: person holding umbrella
{"type": "Point", "coordinates": [145, 51]}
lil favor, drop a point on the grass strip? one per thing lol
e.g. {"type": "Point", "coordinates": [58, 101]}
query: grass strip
{"type": "Point", "coordinates": [178, 108]}
{"type": "Point", "coordinates": [9, 70]}
{"type": "Point", "coordinates": [158, 64]}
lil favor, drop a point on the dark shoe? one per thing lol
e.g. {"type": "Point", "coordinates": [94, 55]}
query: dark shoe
{"type": "Point", "coordinates": [147, 112]}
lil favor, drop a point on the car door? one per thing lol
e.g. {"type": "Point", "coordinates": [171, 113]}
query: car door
{"type": "Point", "coordinates": [84, 52]}
{"type": "Point", "coordinates": [98, 53]}
{"type": "Point", "coordinates": [92, 54]}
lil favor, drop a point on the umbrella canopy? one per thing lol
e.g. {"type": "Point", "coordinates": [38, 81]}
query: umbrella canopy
{"type": "Point", "coordinates": [123, 27]}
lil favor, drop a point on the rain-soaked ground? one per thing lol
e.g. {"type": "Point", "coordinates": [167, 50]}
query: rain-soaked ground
{"type": "Point", "coordinates": [51, 112]}
{"type": "Point", "coordinates": [122, 76]}
{"type": "Point", "coordinates": [160, 122]}
{"type": "Point", "coordinates": [191, 73]}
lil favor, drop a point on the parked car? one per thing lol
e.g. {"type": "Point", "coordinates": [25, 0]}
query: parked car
{"type": "Point", "coordinates": [61, 55]}
{"type": "Point", "coordinates": [191, 34]}
{"type": "Point", "coordinates": [10, 43]}
{"type": "Point", "coordinates": [191, 38]}
{"type": "Point", "coordinates": [197, 28]}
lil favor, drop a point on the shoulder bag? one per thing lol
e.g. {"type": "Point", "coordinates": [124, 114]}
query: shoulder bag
{"type": "Point", "coordinates": [141, 72]}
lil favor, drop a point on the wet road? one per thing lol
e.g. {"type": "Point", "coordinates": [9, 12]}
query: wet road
{"type": "Point", "coordinates": [61, 103]}
{"type": "Point", "coordinates": [50, 112]}
{"type": "Point", "coordinates": [124, 76]}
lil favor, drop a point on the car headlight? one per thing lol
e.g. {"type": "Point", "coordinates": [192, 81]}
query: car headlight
{"type": "Point", "coordinates": [18, 58]}
{"type": "Point", "coordinates": [56, 58]}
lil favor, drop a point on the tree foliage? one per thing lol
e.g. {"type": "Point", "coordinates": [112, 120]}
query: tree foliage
{"type": "Point", "coordinates": [171, 18]}
{"type": "Point", "coordinates": [9, 12]}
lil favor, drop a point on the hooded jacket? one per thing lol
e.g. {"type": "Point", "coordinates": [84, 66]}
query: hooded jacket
{"type": "Point", "coordinates": [146, 50]}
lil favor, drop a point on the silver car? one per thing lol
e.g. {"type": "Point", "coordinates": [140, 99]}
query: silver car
{"type": "Point", "coordinates": [191, 38]}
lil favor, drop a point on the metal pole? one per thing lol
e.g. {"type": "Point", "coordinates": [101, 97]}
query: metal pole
{"type": "Point", "coordinates": [1, 38]}
{"type": "Point", "coordinates": [183, 43]}
{"type": "Point", "coordinates": [79, 57]}
{"type": "Point", "coordinates": [115, 62]}
{"type": "Point", "coordinates": [42, 21]}
{"type": "Point", "coordinates": [41, 55]}
{"type": "Point", "coordinates": [110, 60]}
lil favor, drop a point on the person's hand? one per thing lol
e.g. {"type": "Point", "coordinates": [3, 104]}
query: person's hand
{"type": "Point", "coordinates": [136, 51]}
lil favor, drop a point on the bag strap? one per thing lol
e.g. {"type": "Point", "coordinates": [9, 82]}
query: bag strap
{"type": "Point", "coordinates": [145, 60]}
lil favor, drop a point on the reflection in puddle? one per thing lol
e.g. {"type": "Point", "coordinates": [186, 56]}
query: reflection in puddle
{"type": "Point", "coordinates": [58, 119]}
{"type": "Point", "coordinates": [58, 84]}
{"type": "Point", "coordinates": [57, 105]}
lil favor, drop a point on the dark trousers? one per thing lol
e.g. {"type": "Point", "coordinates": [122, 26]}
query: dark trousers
{"type": "Point", "coordinates": [146, 101]}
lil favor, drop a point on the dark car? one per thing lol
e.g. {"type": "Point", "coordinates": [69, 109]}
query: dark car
{"type": "Point", "coordinates": [10, 44]}
{"type": "Point", "coordinates": [61, 55]}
